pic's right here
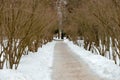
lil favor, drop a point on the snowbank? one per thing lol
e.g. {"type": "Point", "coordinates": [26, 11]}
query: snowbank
{"type": "Point", "coordinates": [100, 65]}
{"type": "Point", "coordinates": [35, 66]}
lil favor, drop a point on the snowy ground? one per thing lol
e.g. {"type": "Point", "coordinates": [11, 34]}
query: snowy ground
{"type": "Point", "coordinates": [100, 65]}
{"type": "Point", "coordinates": [35, 66]}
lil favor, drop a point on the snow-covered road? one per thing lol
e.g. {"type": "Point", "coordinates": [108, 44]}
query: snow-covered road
{"type": "Point", "coordinates": [100, 65]}
{"type": "Point", "coordinates": [67, 66]}
{"type": "Point", "coordinates": [39, 66]}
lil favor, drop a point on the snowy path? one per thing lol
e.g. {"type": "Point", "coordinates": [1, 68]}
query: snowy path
{"type": "Point", "coordinates": [66, 66]}
{"type": "Point", "coordinates": [70, 62]}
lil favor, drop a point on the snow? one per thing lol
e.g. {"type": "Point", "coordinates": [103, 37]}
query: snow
{"type": "Point", "coordinates": [38, 66]}
{"type": "Point", "coordinates": [100, 65]}
{"type": "Point", "coordinates": [35, 66]}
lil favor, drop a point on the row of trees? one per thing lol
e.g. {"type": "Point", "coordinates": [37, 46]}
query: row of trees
{"type": "Point", "coordinates": [24, 26]}
{"type": "Point", "coordinates": [27, 24]}
{"type": "Point", "coordinates": [96, 21]}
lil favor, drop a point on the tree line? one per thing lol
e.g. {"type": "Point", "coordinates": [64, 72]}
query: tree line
{"type": "Point", "coordinates": [97, 22]}
{"type": "Point", "coordinates": [25, 25]}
